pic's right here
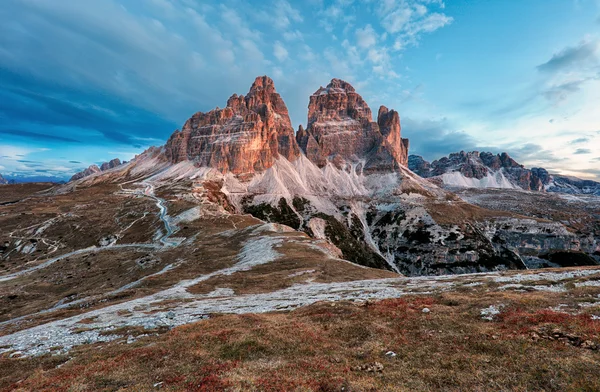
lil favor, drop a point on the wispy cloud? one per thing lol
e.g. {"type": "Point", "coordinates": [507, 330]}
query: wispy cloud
{"type": "Point", "coordinates": [366, 37]}
{"type": "Point", "coordinates": [572, 57]}
{"type": "Point", "coordinates": [279, 51]}
{"type": "Point", "coordinates": [580, 140]}
{"type": "Point", "coordinates": [581, 151]}
{"type": "Point", "coordinates": [37, 136]}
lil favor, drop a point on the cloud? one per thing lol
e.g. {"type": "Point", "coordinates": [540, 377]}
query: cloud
{"type": "Point", "coordinates": [572, 57]}
{"type": "Point", "coordinates": [433, 139]}
{"type": "Point", "coordinates": [398, 19]}
{"type": "Point", "coordinates": [561, 92]}
{"type": "Point", "coordinates": [282, 15]}
{"type": "Point", "coordinates": [580, 140]}
{"type": "Point", "coordinates": [294, 35]}
{"type": "Point", "coordinates": [37, 136]}
{"type": "Point", "coordinates": [366, 37]}
{"type": "Point", "coordinates": [430, 23]}
{"type": "Point", "coordinates": [279, 51]}
{"type": "Point", "coordinates": [581, 151]}
{"type": "Point", "coordinates": [407, 21]}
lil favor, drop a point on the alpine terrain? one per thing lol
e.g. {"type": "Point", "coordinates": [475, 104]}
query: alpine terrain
{"type": "Point", "coordinates": [244, 254]}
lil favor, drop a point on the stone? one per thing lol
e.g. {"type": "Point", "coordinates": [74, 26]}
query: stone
{"type": "Point", "coordinates": [479, 165]}
{"type": "Point", "coordinates": [340, 130]}
{"type": "Point", "coordinates": [246, 136]}
{"type": "Point", "coordinates": [92, 169]}
{"type": "Point", "coordinates": [111, 164]}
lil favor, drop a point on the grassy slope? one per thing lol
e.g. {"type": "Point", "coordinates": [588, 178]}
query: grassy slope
{"type": "Point", "coordinates": [324, 346]}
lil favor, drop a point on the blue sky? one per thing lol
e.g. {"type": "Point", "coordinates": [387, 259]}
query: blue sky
{"type": "Point", "coordinates": [84, 81]}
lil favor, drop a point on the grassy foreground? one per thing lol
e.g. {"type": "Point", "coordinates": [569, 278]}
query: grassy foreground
{"type": "Point", "coordinates": [538, 341]}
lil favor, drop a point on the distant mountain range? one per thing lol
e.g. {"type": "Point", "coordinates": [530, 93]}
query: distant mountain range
{"type": "Point", "coordinates": [487, 170]}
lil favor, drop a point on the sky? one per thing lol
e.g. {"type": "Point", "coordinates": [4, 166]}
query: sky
{"type": "Point", "coordinates": [85, 81]}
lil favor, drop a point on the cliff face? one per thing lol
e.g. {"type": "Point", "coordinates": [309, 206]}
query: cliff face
{"type": "Point", "coordinates": [341, 129]}
{"type": "Point", "coordinates": [485, 170]}
{"type": "Point", "coordinates": [246, 136]}
{"type": "Point", "coordinates": [93, 169]}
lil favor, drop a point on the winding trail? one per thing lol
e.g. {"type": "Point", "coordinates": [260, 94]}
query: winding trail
{"type": "Point", "coordinates": [162, 242]}
{"type": "Point", "coordinates": [164, 217]}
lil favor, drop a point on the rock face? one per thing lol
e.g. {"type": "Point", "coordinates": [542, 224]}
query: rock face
{"type": "Point", "coordinates": [570, 185]}
{"type": "Point", "coordinates": [93, 169]}
{"type": "Point", "coordinates": [110, 165]}
{"type": "Point", "coordinates": [482, 170]}
{"type": "Point", "coordinates": [341, 129]}
{"type": "Point", "coordinates": [3, 181]}
{"type": "Point", "coordinates": [246, 136]}
{"type": "Point", "coordinates": [487, 170]}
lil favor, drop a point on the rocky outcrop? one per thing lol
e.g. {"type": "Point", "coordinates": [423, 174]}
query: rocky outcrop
{"type": "Point", "coordinates": [3, 181]}
{"type": "Point", "coordinates": [475, 169]}
{"type": "Point", "coordinates": [93, 169]}
{"type": "Point", "coordinates": [419, 165]}
{"type": "Point", "coordinates": [245, 137]}
{"type": "Point", "coordinates": [488, 170]}
{"type": "Point", "coordinates": [341, 130]}
{"type": "Point", "coordinates": [111, 164]}
{"type": "Point", "coordinates": [571, 185]}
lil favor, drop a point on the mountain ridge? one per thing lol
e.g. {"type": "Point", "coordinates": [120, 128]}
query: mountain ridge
{"type": "Point", "coordinates": [476, 169]}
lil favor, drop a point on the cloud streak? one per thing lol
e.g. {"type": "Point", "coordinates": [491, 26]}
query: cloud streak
{"type": "Point", "coordinates": [572, 57]}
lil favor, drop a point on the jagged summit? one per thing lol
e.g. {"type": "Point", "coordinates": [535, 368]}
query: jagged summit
{"type": "Point", "coordinates": [254, 130]}
{"type": "Point", "coordinates": [94, 169]}
{"type": "Point", "coordinates": [479, 170]}
{"type": "Point", "coordinates": [3, 181]}
{"type": "Point", "coordinates": [341, 129]}
{"type": "Point", "coordinates": [246, 136]}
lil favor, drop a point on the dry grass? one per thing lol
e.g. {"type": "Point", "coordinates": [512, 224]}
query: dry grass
{"type": "Point", "coordinates": [322, 348]}
{"type": "Point", "coordinates": [296, 265]}
{"type": "Point", "coordinates": [460, 212]}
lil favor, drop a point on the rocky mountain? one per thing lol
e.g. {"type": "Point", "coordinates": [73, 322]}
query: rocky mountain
{"type": "Point", "coordinates": [111, 164]}
{"type": "Point", "coordinates": [488, 170]}
{"type": "Point", "coordinates": [479, 170]}
{"type": "Point", "coordinates": [247, 136]}
{"type": "Point", "coordinates": [572, 185]}
{"type": "Point", "coordinates": [94, 169]}
{"type": "Point", "coordinates": [341, 129]}
{"type": "Point", "coordinates": [3, 181]}
{"type": "Point", "coordinates": [344, 180]}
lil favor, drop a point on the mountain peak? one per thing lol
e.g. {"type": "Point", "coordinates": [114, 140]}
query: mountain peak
{"type": "Point", "coordinates": [478, 169]}
{"type": "Point", "coordinates": [246, 136]}
{"type": "Point", "coordinates": [341, 129]}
